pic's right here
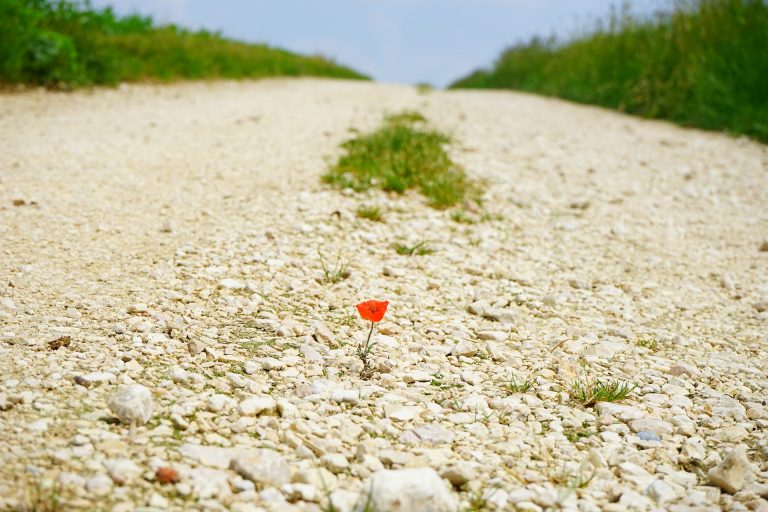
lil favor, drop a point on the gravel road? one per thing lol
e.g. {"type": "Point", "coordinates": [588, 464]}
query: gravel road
{"type": "Point", "coordinates": [168, 236]}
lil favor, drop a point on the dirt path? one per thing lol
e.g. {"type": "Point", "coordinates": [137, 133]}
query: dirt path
{"type": "Point", "coordinates": [603, 233]}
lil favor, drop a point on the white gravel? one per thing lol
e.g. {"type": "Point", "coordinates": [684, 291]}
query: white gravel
{"type": "Point", "coordinates": [173, 234]}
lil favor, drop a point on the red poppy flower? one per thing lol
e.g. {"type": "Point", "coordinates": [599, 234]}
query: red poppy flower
{"type": "Point", "coordinates": [372, 310]}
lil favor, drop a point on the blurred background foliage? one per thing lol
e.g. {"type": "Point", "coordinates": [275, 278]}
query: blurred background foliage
{"type": "Point", "coordinates": [65, 44]}
{"type": "Point", "coordinates": [703, 63]}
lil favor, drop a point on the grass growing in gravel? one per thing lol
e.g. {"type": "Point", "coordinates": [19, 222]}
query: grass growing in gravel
{"type": "Point", "coordinates": [702, 64]}
{"type": "Point", "coordinates": [421, 248]}
{"type": "Point", "coordinates": [404, 153]}
{"type": "Point", "coordinates": [373, 213]}
{"type": "Point", "coordinates": [519, 387]}
{"type": "Point", "coordinates": [648, 342]}
{"type": "Point", "coordinates": [65, 44]}
{"type": "Point", "coordinates": [588, 394]}
{"type": "Point", "coordinates": [336, 273]}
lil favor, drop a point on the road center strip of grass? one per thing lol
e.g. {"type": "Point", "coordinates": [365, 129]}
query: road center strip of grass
{"type": "Point", "coordinates": [404, 153]}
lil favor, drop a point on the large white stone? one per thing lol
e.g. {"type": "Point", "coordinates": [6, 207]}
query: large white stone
{"type": "Point", "coordinates": [732, 473]}
{"type": "Point", "coordinates": [132, 404]}
{"type": "Point", "coordinates": [263, 467]}
{"type": "Point", "coordinates": [407, 490]}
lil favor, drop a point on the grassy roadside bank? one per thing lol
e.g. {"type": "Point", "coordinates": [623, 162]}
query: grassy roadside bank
{"type": "Point", "coordinates": [703, 64]}
{"type": "Point", "coordinates": [66, 44]}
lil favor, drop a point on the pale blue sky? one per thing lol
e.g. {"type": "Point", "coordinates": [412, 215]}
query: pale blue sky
{"type": "Point", "coordinates": [406, 41]}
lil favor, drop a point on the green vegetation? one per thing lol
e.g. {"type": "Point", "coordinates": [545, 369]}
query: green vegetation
{"type": "Point", "coordinates": [588, 394]}
{"type": "Point", "coordinates": [703, 64]}
{"type": "Point", "coordinates": [371, 213]}
{"type": "Point", "coordinates": [402, 154]}
{"type": "Point", "coordinates": [648, 342]}
{"type": "Point", "coordinates": [519, 387]}
{"type": "Point", "coordinates": [462, 217]}
{"type": "Point", "coordinates": [66, 43]}
{"type": "Point", "coordinates": [574, 434]}
{"type": "Point", "coordinates": [419, 249]}
{"type": "Point", "coordinates": [336, 273]}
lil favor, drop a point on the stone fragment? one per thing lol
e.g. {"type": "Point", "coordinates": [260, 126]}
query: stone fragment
{"type": "Point", "coordinates": [231, 284]}
{"type": "Point", "coordinates": [257, 405]}
{"type": "Point", "coordinates": [99, 485]}
{"type": "Point", "coordinates": [464, 348]}
{"type": "Point", "coordinates": [459, 474]}
{"type": "Point", "coordinates": [264, 468]}
{"type": "Point", "coordinates": [659, 427]}
{"type": "Point", "coordinates": [132, 404]}
{"type": "Point", "coordinates": [335, 462]}
{"type": "Point", "coordinates": [122, 471]}
{"type": "Point", "coordinates": [407, 490]}
{"type": "Point", "coordinates": [731, 474]}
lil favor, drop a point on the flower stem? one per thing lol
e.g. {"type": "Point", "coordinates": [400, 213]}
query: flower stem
{"type": "Point", "coordinates": [363, 351]}
{"type": "Point", "coordinates": [367, 341]}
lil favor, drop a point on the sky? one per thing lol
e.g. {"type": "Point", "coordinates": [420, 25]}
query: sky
{"type": "Point", "coordinates": [405, 41]}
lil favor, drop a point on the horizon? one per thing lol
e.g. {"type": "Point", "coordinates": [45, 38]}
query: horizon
{"type": "Point", "coordinates": [401, 41]}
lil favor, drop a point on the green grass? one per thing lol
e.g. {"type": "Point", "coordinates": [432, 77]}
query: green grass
{"type": "Point", "coordinates": [68, 44]}
{"type": "Point", "coordinates": [588, 394]}
{"type": "Point", "coordinates": [419, 249]}
{"type": "Point", "coordinates": [372, 213]}
{"type": "Point", "coordinates": [519, 387]}
{"type": "Point", "coordinates": [703, 64]}
{"type": "Point", "coordinates": [647, 342]}
{"type": "Point", "coordinates": [336, 273]}
{"type": "Point", "coordinates": [462, 217]}
{"type": "Point", "coordinates": [404, 153]}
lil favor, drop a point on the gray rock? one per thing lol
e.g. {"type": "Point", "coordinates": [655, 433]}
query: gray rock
{"type": "Point", "coordinates": [407, 490]}
{"type": "Point", "coordinates": [645, 435]}
{"type": "Point", "coordinates": [122, 471]}
{"type": "Point", "coordinates": [99, 485]}
{"type": "Point", "coordinates": [478, 307]}
{"type": "Point", "coordinates": [732, 473]}
{"type": "Point", "coordinates": [661, 492]}
{"type": "Point", "coordinates": [132, 404]}
{"type": "Point", "coordinates": [335, 462]}
{"type": "Point", "coordinates": [651, 425]}
{"type": "Point", "coordinates": [464, 348]}
{"type": "Point", "coordinates": [497, 336]}
{"type": "Point", "coordinates": [349, 396]}
{"type": "Point", "coordinates": [195, 347]}
{"type": "Point", "coordinates": [429, 434]}
{"type": "Point", "coordinates": [263, 467]}
{"type": "Point", "coordinates": [257, 405]}
{"type": "Point", "coordinates": [503, 316]}
{"type": "Point", "coordinates": [459, 474]}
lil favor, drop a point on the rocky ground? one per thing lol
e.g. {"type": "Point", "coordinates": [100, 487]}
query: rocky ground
{"type": "Point", "coordinates": [170, 237]}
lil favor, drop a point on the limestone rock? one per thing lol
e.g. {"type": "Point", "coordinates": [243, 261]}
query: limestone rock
{"type": "Point", "coordinates": [407, 490]}
{"type": "Point", "coordinates": [732, 473]}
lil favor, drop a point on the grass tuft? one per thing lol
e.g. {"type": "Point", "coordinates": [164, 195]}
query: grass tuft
{"type": "Point", "coordinates": [372, 213]}
{"type": "Point", "coordinates": [404, 153]}
{"type": "Point", "coordinates": [462, 217]}
{"type": "Point", "coordinates": [419, 249]}
{"type": "Point", "coordinates": [336, 273]}
{"type": "Point", "coordinates": [519, 387]}
{"type": "Point", "coordinates": [647, 342]}
{"type": "Point", "coordinates": [588, 394]}
{"type": "Point", "coordinates": [702, 64]}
